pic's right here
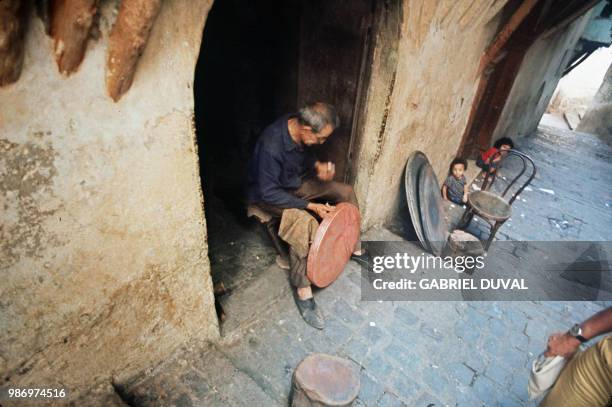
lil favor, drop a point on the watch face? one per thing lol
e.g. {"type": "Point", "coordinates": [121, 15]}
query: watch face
{"type": "Point", "coordinates": [575, 330]}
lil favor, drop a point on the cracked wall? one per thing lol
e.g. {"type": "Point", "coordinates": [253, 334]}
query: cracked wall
{"type": "Point", "coordinates": [420, 95]}
{"type": "Point", "coordinates": [102, 235]}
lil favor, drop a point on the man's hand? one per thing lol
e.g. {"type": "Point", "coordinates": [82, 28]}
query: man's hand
{"type": "Point", "coordinates": [323, 211]}
{"type": "Point", "coordinates": [325, 170]}
{"type": "Point", "coordinates": [562, 344]}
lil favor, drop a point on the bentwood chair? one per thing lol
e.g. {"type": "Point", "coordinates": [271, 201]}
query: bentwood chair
{"type": "Point", "coordinates": [495, 209]}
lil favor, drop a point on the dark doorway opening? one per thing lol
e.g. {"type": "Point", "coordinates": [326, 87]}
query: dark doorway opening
{"type": "Point", "coordinates": [259, 60]}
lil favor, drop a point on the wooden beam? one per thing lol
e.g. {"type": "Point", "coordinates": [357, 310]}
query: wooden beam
{"type": "Point", "coordinates": [126, 43]}
{"type": "Point", "coordinates": [13, 22]}
{"type": "Point", "coordinates": [580, 10]}
{"type": "Point", "coordinates": [70, 27]}
{"type": "Point", "coordinates": [505, 33]}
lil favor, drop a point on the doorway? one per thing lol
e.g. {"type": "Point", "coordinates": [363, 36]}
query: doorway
{"type": "Point", "coordinates": [258, 60]}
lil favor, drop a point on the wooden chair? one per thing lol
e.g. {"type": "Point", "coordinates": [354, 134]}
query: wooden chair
{"type": "Point", "coordinates": [493, 208]}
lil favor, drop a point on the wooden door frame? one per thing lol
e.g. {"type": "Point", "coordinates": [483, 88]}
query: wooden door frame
{"type": "Point", "coordinates": [501, 63]}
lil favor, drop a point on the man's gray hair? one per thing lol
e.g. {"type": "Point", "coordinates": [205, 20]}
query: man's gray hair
{"type": "Point", "coordinates": [318, 115]}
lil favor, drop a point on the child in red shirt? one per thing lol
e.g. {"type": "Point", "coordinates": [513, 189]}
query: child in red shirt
{"type": "Point", "coordinates": [489, 159]}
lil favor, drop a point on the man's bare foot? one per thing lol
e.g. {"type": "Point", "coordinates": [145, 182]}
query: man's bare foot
{"type": "Point", "coordinates": [304, 293]}
{"type": "Point", "coordinates": [357, 252]}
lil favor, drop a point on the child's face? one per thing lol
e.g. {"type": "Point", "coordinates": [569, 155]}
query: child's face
{"type": "Point", "coordinates": [504, 149]}
{"type": "Point", "coordinates": [458, 170]}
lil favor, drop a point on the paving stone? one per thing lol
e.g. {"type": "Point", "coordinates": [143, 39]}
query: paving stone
{"type": "Point", "coordinates": [427, 400]}
{"type": "Point", "coordinates": [405, 316]}
{"type": "Point", "coordinates": [499, 329]}
{"type": "Point", "coordinates": [514, 359]}
{"type": "Point", "coordinates": [499, 374]}
{"type": "Point", "coordinates": [371, 334]}
{"type": "Point", "coordinates": [407, 360]}
{"type": "Point", "coordinates": [519, 386]}
{"type": "Point", "coordinates": [317, 342]}
{"type": "Point", "coordinates": [371, 390]}
{"type": "Point", "coordinates": [431, 332]}
{"type": "Point", "coordinates": [400, 331]}
{"type": "Point", "coordinates": [514, 316]}
{"type": "Point", "coordinates": [492, 346]}
{"type": "Point", "coordinates": [404, 387]}
{"type": "Point", "coordinates": [346, 313]}
{"type": "Point", "coordinates": [538, 329]}
{"type": "Point", "coordinates": [465, 397]}
{"type": "Point", "coordinates": [356, 350]}
{"type": "Point", "coordinates": [475, 360]}
{"type": "Point", "coordinates": [436, 379]}
{"type": "Point", "coordinates": [460, 373]}
{"type": "Point", "coordinates": [389, 400]}
{"type": "Point", "coordinates": [487, 390]}
{"type": "Point", "coordinates": [476, 318]}
{"type": "Point", "coordinates": [379, 367]}
{"type": "Point", "coordinates": [518, 340]}
{"type": "Point", "coordinates": [467, 331]}
{"type": "Point", "coordinates": [510, 401]}
{"type": "Point", "coordinates": [337, 332]}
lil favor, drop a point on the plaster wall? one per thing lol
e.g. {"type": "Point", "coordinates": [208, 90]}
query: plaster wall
{"type": "Point", "coordinates": [537, 80]}
{"type": "Point", "coordinates": [103, 249]}
{"type": "Point", "coordinates": [424, 101]}
{"type": "Point", "coordinates": [598, 118]}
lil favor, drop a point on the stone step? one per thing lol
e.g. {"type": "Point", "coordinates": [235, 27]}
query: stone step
{"type": "Point", "coordinates": [195, 378]}
{"type": "Point", "coordinates": [242, 307]}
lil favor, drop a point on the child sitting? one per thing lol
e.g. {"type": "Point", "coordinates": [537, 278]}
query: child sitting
{"type": "Point", "coordinates": [489, 159]}
{"type": "Point", "coordinates": [455, 187]}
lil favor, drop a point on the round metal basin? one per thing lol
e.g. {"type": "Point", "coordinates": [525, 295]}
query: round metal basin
{"type": "Point", "coordinates": [333, 243]}
{"type": "Point", "coordinates": [414, 165]}
{"type": "Point", "coordinates": [489, 205]}
{"type": "Point", "coordinates": [435, 227]}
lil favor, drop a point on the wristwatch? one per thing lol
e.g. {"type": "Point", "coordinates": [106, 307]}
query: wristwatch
{"type": "Point", "coordinates": [576, 332]}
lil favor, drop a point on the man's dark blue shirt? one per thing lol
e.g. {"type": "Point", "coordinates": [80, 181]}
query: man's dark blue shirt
{"type": "Point", "coordinates": [277, 167]}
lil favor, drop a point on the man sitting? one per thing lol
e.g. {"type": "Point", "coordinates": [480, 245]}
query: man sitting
{"type": "Point", "coordinates": [283, 173]}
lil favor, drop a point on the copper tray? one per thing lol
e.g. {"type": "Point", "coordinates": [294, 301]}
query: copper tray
{"type": "Point", "coordinates": [333, 245]}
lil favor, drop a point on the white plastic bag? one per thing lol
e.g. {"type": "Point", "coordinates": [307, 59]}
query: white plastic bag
{"type": "Point", "coordinates": [544, 373]}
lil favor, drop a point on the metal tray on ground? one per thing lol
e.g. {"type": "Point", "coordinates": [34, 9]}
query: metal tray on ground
{"type": "Point", "coordinates": [414, 165]}
{"type": "Point", "coordinates": [435, 227]}
{"type": "Point", "coordinates": [333, 244]}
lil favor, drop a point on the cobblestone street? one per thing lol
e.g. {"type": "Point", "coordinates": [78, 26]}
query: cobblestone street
{"type": "Point", "coordinates": [409, 353]}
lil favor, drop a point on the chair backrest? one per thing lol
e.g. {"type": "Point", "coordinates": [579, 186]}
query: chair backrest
{"type": "Point", "coordinates": [526, 162]}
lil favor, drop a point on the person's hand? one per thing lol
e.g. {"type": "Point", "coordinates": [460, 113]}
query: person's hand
{"type": "Point", "coordinates": [323, 211]}
{"type": "Point", "coordinates": [325, 170]}
{"type": "Point", "coordinates": [465, 198]}
{"type": "Point", "coordinates": [562, 344]}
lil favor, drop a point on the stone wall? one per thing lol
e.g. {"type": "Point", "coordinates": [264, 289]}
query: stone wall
{"type": "Point", "coordinates": [420, 94]}
{"type": "Point", "coordinates": [537, 79]}
{"type": "Point", "coordinates": [598, 118]}
{"type": "Point", "coordinates": [103, 249]}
